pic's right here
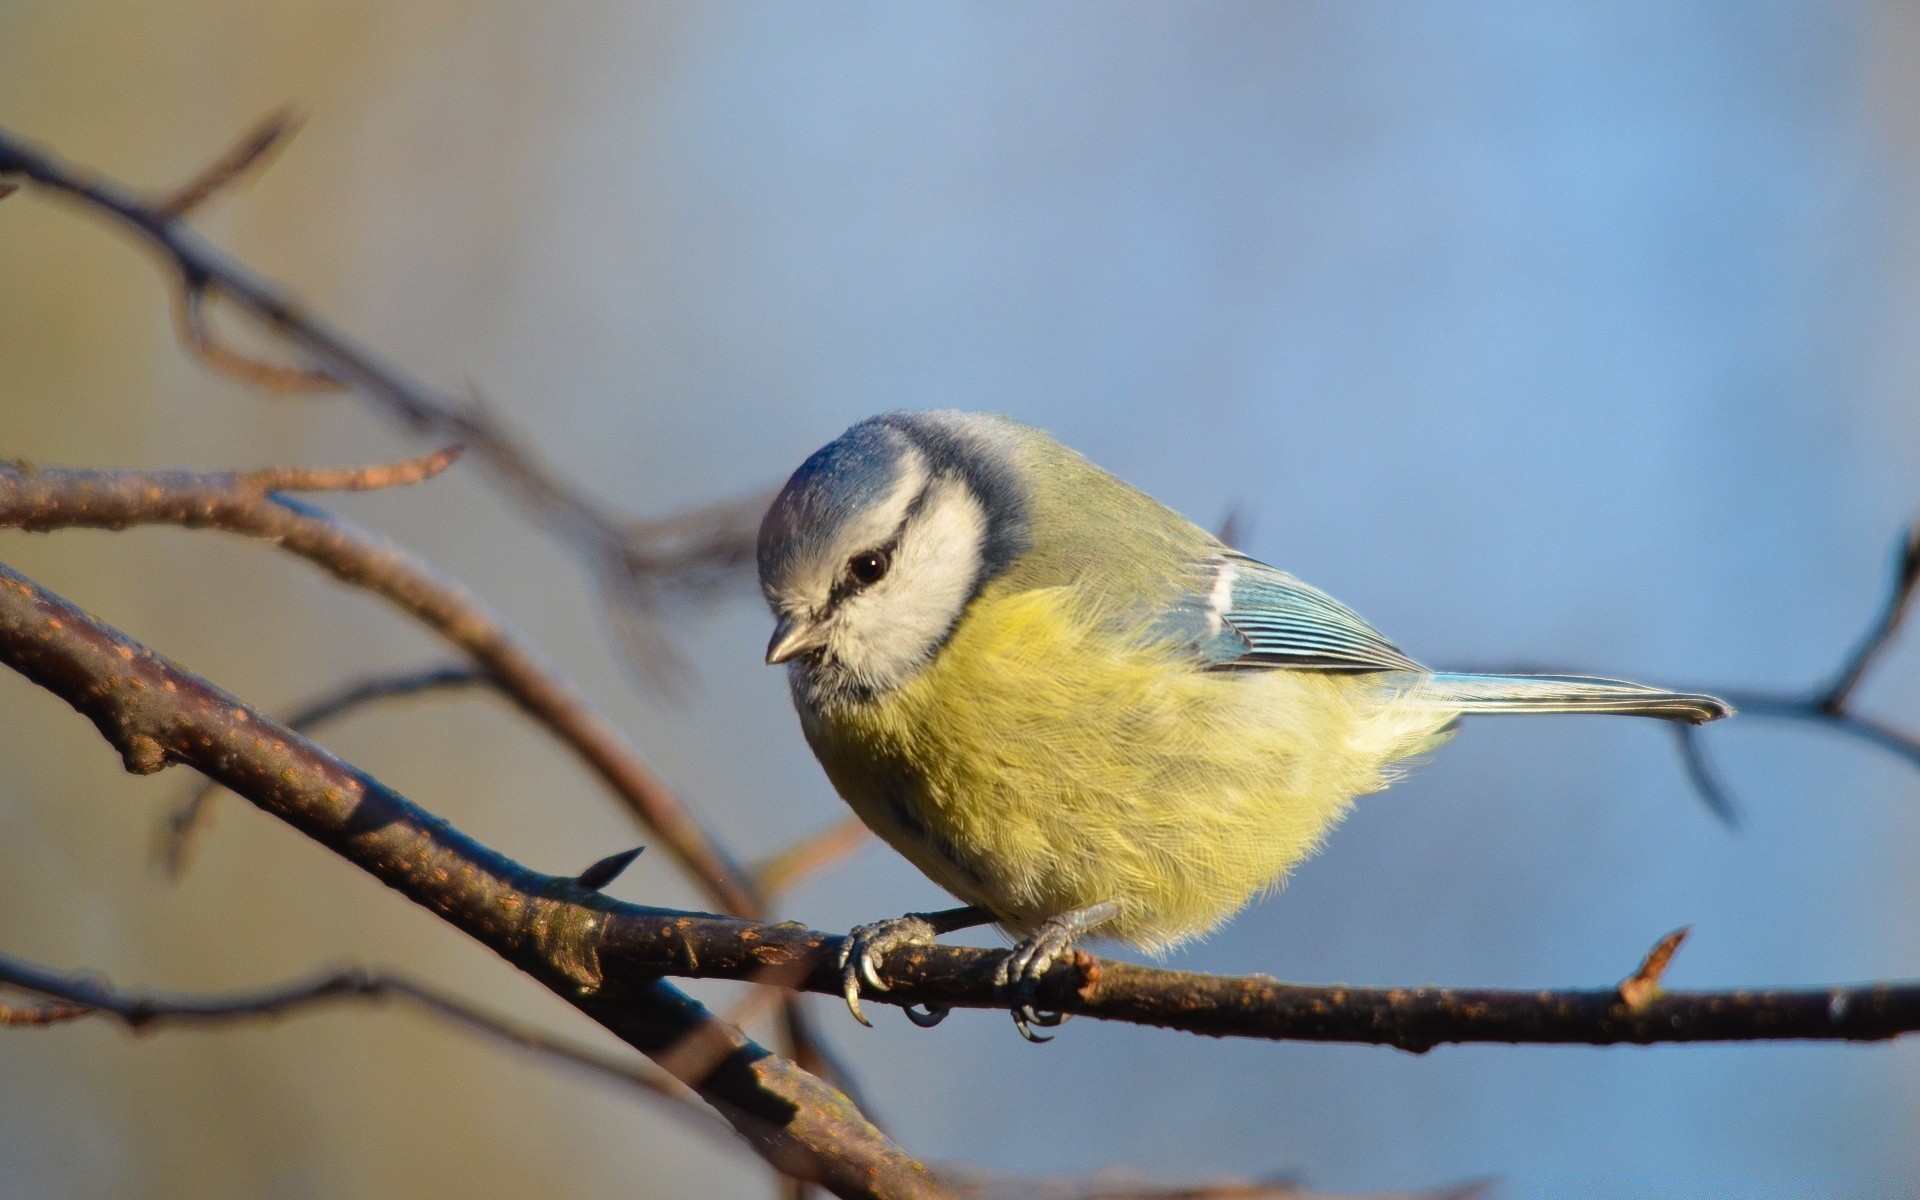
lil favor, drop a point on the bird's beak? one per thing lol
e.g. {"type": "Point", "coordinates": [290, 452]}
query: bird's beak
{"type": "Point", "coordinates": [793, 637]}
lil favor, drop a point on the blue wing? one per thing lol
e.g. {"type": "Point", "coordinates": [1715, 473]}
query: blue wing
{"type": "Point", "coordinates": [1253, 616]}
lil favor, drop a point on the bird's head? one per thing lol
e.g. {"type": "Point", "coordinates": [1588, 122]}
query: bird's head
{"type": "Point", "coordinates": [872, 551]}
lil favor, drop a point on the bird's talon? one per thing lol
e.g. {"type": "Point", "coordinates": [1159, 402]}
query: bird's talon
{"type": "Point", "coordinates": [1020, 972]}
{"type": "Point", "coordinates": [865, 950]}
{"type": "Point", "coordinates": [934, 1014]}
{"type": "Point", "coordinates": [1021, 1023]}
{"type": "Point", "coordinates": [850, 988]}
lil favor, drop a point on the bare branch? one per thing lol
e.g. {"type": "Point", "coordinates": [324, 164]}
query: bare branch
{"type": "Point", "coordinates": [88, 995]}
{"type": "Point", "coordinates": [1906, 575]}
{"type": "Point", "coordinates": [1125, 1185]}
{"type": "Point", "coordinates": [1700, 772]}
{"type": "Point", "coordinates": [45, 499]}
{"type": "Point", "coordinates": [247, 157]}
{"type": "Point", "coordinates": [354, 479]}
{"type": "Point", "coordinates": [173, 848]}
{"type": "Point", "coordinates": [636, 563]}
{"type": "Point", "coordinates": [779, 874]}
{"type": "Point", "coordinates": [607, 957]}
{"type": "Point", "coordinates": [48, 498]}
{"type": "Point", "coordinates": [1830, 707]}
{"type": "Point", "coordinates": [194, 324]}
{"type": "Point", "coordinates": [695, 1057]}
{"type": "Point", "coordinates": [42, 1014]}
{"type": "Point", "coordinates": [562, 935]}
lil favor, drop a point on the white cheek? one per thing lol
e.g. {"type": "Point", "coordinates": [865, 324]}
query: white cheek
{"type": "Point", "coordinates": [807, 593]}
{"type": "Point", "coordinates": [883, 634]}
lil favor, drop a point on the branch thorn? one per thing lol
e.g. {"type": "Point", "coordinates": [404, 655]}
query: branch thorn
{"type": "Point", "coordinates": [1638, 989]}
{"type": "Point", "coordinates": [608, 869]}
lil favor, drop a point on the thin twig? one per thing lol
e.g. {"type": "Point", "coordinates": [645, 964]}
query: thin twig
{"type": "Point", "coordinates": [247, 157]}
{"type": "Point", "coordinates": [180, 831]}
{"type": "Point", "coordinates": [781, 873]}
{"type": "Point", "coordinates": [1830, 706]}
{"type": "Point", "coordinates": [193, 322]}
{"type": "Point", "coordinates": [49, 498]}
{"type": "Point", "coordinates": [79, 995]}
{"type": "Point", "coordinates": [1880, 635]}
{"type": "Point", "coordinates": [637, 564]}
{"type": "Point", "coordinates": [376, 478]}
{"type": "Point", "coordinates": [974, 1184]}
{"type": "Point", "coordinates": [42, 1014]}
{"type": "Point", "coordinates": [1701, 774]}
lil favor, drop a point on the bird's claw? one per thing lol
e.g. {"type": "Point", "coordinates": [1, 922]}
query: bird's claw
{"type": "Point", "coordinates": [866, 947]}
{"type": "Point", "coordinates": [1021, 971]}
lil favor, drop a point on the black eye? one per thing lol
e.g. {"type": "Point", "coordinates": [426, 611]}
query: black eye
{"type": "Point", "coordinates": [869, 567]}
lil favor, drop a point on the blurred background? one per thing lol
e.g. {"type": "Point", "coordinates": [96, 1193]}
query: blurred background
{"type": "Point", "coordinates": [1580, 334]}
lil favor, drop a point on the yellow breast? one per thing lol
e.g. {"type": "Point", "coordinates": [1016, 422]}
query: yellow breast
{"type": "Point", "coordinates": [1046, 761]}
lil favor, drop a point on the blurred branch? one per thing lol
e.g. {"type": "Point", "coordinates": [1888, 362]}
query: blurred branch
{"type": "Point", "coordinates": [1124, 1185]}
{"type": "Point", "coordinates": [559, 933]}
{"type": "Point", "coordinates": [193, 322]}
{"type": "Point", "coordinates": [1830, 706]}
{"type": "Point", "coordinates": [635, 563]}
{"type": "Point", "coordinates": [183, 826]}
{"type": "Point", "coordinates": [42, 499]}
{"type": "Point", "coordinates": [607, 957]}
{"type": "Point", "coordinates": [784, 871]}
{"type": "Point", "coordinates": [45, 498]}
{"type": "Point", "coordinates": [78, 996]}
{"type": "Point", "coordinates": [245, 158]}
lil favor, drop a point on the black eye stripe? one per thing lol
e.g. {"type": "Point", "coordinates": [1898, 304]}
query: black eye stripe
{"type": "Point", "coordinates": [847, 585]}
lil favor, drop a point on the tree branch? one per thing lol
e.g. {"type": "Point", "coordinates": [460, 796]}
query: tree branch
{"type": "Point", "coordinates": [1829, 706]}
{"type": "Point", "coordinates": [781, 873]}
{"type": "Point", "coordinates": [78, 996]}
{"type": "Point", "coordinates": [245, 158]}
{"type": "Point", "coordinates": [183, 825]}
{"type": "Point", "coordinates": [241, 503]}
{"type": "Point", "coordinates": [42, 499]}
{"type": "Point", "coordinates": [636, 563]}
{"type": "Point", "coordinates": [154, 714]}
{"type": "Point", "coordinates": [1124, 1185]}
{"type": "Point", "coordinates": [599, 952]}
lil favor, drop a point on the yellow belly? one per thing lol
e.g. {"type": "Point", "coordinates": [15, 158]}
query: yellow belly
{"type": "Point", "coordinates": [1044, 762]}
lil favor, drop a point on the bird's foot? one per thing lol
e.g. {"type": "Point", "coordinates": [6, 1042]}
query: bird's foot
{"type": "Point", "coordinates": [1021, 971]}
{"type": "Point", "coordinates": [867, 946]}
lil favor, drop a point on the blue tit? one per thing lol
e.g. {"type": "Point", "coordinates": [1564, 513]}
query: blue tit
{"type": "Point", "coordinates": [1074, 709]}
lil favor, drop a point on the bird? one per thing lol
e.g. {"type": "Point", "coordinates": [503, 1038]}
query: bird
{"type": "Point", "coordinates": [1077, 711]}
